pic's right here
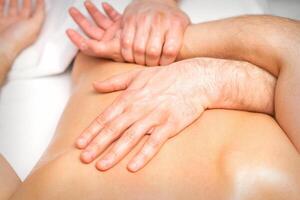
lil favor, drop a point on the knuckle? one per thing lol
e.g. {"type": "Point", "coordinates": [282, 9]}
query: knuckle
{"type": "Point", "coordinates": [143, 155]}
{"type": "Point", "coordinates": [126, 43]}
{"type": "Point", "coordinates": [139, 49]}
{"type": "Point", "coordinates": [154, 143]}
{"type": "Point", "coordinates": [98, 49]}
{"type": "Point", "coordinates": [109, 129]}
{"type": "Point", "coordinates": [131, 108]}
{"type": "Point", "coordinates": [178, 19]}
{"type": "Point", "coordinates": [94, 146]}
{"type": "Point", "coordinates": [153, 52]}
{"type": "Point", "coordinates": [141, 19]}
{"type": "Point", "coordinates": [128, 94]}
{"type": "Point", "coordinates": [123, 98]}
{"type": "Point", "coordinates": [170, 51]}
{"type": "Point", "coordinates": [130, 137]}
{"type": "Point", "coordinates": [114, 152]}
{"type": "Point", "coordinates": [100, 120]}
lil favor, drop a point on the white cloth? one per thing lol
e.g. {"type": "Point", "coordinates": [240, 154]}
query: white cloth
{"type": "Point", "coordinates": [52, 52]}
{"type": "Point", "coordinates": [30, 109]}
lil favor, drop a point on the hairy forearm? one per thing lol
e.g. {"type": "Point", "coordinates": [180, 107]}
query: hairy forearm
{"type": "Point", "coordinates": [237, 85]}
{"type": "Point", "coordinates": [272, 43]}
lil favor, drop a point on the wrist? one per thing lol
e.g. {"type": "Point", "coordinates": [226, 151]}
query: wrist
{"type": "Point", "coordinates": [201, 81]}
{"type": "Point", "coordinates": [5, 60]}
{"type": "Point", "coordinates": [209, 82]}
{"type": "Point", "coordinates": [206, 40]}
{"type": "Point", "coordinates": [240, 86]}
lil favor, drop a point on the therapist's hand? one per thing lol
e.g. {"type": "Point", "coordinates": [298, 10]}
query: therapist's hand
{"type": "Point", "coordinates": [152, 32]}
{"type": "Point", "coordinates": [160, 101]}
{"type": "Point", "coordinates": [102, 36]}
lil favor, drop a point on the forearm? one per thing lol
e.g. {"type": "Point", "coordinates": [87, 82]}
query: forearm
{"type": "Point", "coordinates": [266, 41]}
{"type": "Point", "coordinates": [237, 85]}
{"type": "Point", "coordinates": [272, 43]}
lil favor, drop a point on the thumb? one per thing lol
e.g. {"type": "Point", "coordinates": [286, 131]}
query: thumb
{"type": "Point", "coordinates": [116, 83]}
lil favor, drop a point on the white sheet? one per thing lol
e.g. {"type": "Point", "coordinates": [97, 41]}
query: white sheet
{"type": "Point", "coordinates": [53, 52]}
{"type": "Point", "coordinates": [30, 109]}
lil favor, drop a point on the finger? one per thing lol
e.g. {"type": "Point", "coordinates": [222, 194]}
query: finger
{"type": "Point", "coordinates": [172, 46]}
{"type": "Point", "coordinates": [116, 83]}
{"type": "Point", "coordinates": [2, 3]}
{"type": "Point", "coordinates": [100, 19]}
{"type": "Point", "coordinates": [111, 12]}
{"type": "Point", "coordinates": [154, 47]}
{"type": "Point", "coordinates": [128, 140]}
{"type": "Point", "coordinates": [115, 109]}
{"type": "Point", "coordinates": [140, 42]}
{"type": "Point", "coordinates": [113, 33]}
{"type": "Point", "coordinates": [158, 137]}
{"type": "Point", "coordinates": [127, 38]}
{"type": "Point", "coordinates": [91, 30]}
{"type": "Point", "coordinates": [77, 39]}
{"type": "Point", "coordinates": [13, 8]}
{"type": "Point", "coordinates": [110, 132]}
{"type": "Point", "coordinates": [88, 46]}
{"type": "Point", "coordinates": [39, 12]}
{"type": "Point", "coordinates": [26, 8]}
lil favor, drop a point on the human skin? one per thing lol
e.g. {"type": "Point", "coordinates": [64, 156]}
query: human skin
{"type": "Point", "coordinates": [19, 28]}
{"type": "Point", "coordinates": [134, 31]}
{"type": "Point", "coordinates": [9, 180]}
{"type": "Point", "coordinates": [267, 46]}
{"type": "Point", "coordinates": [273, 43]}
{"type": "Point", "coordinates": [207, 39]}
{"type": "Point", "coordinates": [152, 32]}
{"type": "Point", "coordinates": [222, 155]}
{"type": "Point", "coordinates": [167, 100]}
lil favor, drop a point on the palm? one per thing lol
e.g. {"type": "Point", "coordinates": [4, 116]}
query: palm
{"type": "Point", "coordinates": [103, 39]}
{"type": "Point", "coordinates": [20, 27]}
{"type": "Point", "coordinates": [6, 21]}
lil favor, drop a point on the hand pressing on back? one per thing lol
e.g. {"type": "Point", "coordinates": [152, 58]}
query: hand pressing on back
{"type": "Point", "coordinates": [152, 32]}
{"type": "Point", "coordinates": [159, 100]}
{"type": "Point", "coordinates": [149, 33]}
{"type": "Point", "coordinates": [162, 101]}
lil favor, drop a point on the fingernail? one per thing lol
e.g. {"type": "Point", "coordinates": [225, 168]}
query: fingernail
{"type": "Point", "coordinates": [87, 156]}
{"type": "Point", "coordinates": [73, 10]}
{"type": "Point", "coordinates": [105, 163]}
{"type": "Point", "coordinates": [81, 142]}
{"type": "Point", "coordinates": [135, 166]}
